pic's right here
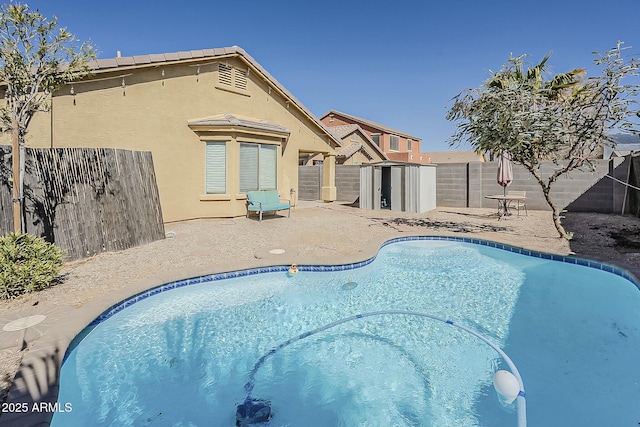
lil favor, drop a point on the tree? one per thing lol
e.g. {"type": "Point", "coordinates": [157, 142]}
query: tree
{"type": "Point", "coordinates": [564, 118]}
{"type": "Point", "coordinates": [36, 58]}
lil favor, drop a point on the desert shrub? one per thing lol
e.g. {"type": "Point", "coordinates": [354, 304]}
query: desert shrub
{"type": "Point", "coordinates": [27, 264]}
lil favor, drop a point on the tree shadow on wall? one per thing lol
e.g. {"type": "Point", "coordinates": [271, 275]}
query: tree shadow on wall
{"type": "Point", "coordinates": [56, 177]}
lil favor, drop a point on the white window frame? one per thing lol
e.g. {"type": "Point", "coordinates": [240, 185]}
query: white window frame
{"type": "Point", "coordinates": [215, 167]}
{"type": "Point", "coordinates": [393, 138]}
{"type": "Point", "coordinates": [409, 144]}
{"type": "Point", "coordinates": [260, 175]}
{"type": "Point", "coordinates": [377, 136]}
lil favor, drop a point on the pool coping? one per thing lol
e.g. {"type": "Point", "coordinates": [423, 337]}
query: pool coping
{"type": "Point", "coordinates": [570, 259]}
{"type": "Point", "coordinates": [40, 368]}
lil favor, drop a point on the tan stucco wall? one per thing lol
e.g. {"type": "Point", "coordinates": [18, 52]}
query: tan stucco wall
{"type": "Point", "coordinates": [151, 112]}
{"type": "Point", "coordinates": [357, 159]}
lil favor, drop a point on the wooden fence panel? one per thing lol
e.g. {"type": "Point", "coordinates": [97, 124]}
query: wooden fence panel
{"type": "Point", "coordinates": [86, 200]}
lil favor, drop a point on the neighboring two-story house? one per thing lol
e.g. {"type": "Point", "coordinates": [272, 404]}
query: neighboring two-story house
{"type": "Point", "coordinates": [396, 145]}
{"type": "Point", "coordinates": [357, 148]}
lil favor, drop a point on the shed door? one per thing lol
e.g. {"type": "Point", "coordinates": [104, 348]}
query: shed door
{"type": "Point", "coordinates": [377, 187]}
{"type": "Point", "coordinates": [396, 188]}
{"type": "Point", "coordinates": [366, 190]}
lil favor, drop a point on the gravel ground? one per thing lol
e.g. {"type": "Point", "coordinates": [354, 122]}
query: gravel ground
{"type": "Point", "coordinates": [316, 233]}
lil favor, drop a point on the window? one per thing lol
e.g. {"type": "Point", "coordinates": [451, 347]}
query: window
{"type": "Point", "coordinates": [409, 142]}
{"type": "Point", "coordinates": [394, 143]}
{"type": "Point", "coordinates": [258, 167]}
{"type": "Point", "coordinates": [376, 139]}
{"type": "Point", "coordinates": [216, 168]}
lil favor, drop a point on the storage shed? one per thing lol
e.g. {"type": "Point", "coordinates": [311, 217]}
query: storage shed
{"type": "Point", "coordinates": [403, 187]}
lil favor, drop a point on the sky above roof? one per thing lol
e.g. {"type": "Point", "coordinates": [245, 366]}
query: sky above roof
{"type": "Point", "coordinates": [396, 63]}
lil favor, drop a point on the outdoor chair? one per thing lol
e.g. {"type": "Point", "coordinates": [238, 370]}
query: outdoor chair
{"type": "Point", "coordinates": [518, 204]}
{"type": "Point", "coordinates": [264, 201]}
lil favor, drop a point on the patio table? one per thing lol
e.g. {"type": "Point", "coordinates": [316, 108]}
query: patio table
{"type": "Point", "coordinates": [503, 203]}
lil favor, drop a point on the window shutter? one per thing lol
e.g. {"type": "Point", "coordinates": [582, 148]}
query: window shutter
{"type": "Point", "coordinates": [224, 74]}
{"type": "Point", "coordinates": [248, 167]}
{"type": "Point", "coordinates": [268, 167]}
{"type": "Point", "coordinates": [216, 168]}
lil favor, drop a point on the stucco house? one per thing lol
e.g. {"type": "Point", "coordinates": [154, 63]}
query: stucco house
{"type": "Point", "coordinates": [217, 123]}
{"type": "Point", "coordinates": [396, 145]}
{"type": "Point", "coordinates": [357, 148]}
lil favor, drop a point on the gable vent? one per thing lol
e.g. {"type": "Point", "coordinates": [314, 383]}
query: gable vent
{"type": "Point", "coordinates": [224, 74]}
{"type": "Point", "coordinates": [240, 79]}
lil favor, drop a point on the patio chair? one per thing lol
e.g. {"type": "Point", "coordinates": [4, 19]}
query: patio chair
{"type": "Point", "coordinates": [517, 204]}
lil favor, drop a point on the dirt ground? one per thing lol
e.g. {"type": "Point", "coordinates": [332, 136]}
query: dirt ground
{"type": "Point", "coordinates": [610, 238]}
{"type": "Point", "coordinates": [318, 234]}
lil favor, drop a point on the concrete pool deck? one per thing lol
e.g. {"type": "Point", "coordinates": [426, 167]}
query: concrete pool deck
{"type": "Point", "coordinates": [316, 233]}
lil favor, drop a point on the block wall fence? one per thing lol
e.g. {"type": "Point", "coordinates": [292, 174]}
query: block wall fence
{"type": "Point", "coordinates": [467, 184]}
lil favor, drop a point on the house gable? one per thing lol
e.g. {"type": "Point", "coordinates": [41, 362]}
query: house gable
{"type": "Point", "coordinates": [396, 145]}
{"type": "Point", "coordinates": [356, 141]}
{"type": "Point", "coordinates": [189, 109]}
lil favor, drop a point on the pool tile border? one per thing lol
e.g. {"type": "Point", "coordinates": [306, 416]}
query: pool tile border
{"type": "Point", "coordinates": [618, 271]}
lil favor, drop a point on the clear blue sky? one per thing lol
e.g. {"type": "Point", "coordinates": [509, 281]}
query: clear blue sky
{"type": "Point", "coordinates": [394, 62]}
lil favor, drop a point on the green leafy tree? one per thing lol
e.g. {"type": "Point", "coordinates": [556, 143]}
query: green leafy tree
{"type": "Point", "coordinates": [564, 118]}
{"type": "Point", "coordinates": [36, 58]}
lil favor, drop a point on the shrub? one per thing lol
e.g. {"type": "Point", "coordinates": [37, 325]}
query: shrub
{"type": "Point", "coordinates": [27, 264]}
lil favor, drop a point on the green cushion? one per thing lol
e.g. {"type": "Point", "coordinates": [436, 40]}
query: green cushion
{"type": "Point", "coordinates": [268, 200]}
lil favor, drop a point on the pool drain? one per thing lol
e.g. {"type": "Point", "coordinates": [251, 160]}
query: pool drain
{"type": "Point", "coordinates": [253, 412]}
{"type": "Point", "coordinates": [349, 285]}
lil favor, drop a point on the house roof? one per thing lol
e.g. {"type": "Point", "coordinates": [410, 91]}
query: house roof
{"type": "Point", "coordinates": [623, 144]}
{"type": "Point", "coordinates": [100, 66]}
{"type": "Point", "coordinates": [234, 120]}
{"type": "Point", "coordinates": [458, 156]}
{"type": "Point", "coordinates": [379, 126]}
{"type": "Point", "coordinates": [350, 150]}
{"type": "Point", "coordinates": [342, 131]}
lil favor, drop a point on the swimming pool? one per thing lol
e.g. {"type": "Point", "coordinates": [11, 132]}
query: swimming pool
{"type": "Point", "coordinates": [183, 356]}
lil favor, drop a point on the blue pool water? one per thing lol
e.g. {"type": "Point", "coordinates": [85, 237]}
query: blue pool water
{"type": "Point", "coordinates": [182, 357]}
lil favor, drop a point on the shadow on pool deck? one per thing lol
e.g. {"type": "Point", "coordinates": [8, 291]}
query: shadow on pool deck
{"type": "Point", "coordinates": [32, 400]}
